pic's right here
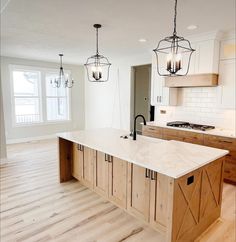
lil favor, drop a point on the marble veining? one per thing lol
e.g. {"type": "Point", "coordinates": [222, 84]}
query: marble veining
{"type": "Point", "coordinates": [171, 158]}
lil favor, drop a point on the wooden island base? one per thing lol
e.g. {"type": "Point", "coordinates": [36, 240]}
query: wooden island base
{"type": "Point", "coordinates": [180, 208]}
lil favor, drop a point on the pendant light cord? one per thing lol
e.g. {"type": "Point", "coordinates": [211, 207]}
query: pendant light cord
{"type": "Point", "coordinates": [97, 41]}
{"type": "Point", "coordinates": [175, 16]}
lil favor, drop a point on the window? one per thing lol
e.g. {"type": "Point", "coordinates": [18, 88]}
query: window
{"type": "Point", "coordinates": [34, 98]}
{"type": "Point", "coordinates": [57, 103]}
{"type": "Point", "coordinates": [26, 96]}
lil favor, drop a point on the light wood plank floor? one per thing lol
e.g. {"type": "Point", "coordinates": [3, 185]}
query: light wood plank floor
{"type": "Point", "coordinates": [36, 207]}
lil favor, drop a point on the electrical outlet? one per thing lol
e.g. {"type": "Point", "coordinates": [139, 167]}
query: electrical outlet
{"type": "Point", "coordinates": [162, 111]}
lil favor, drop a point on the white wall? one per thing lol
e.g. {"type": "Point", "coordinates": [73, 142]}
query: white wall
{"type": "Point", "coordinates": [3, 152]}
{"type": "Point", "coordinates": [108, 104]}
{"type": "Point", "coordinates": [77, 102]}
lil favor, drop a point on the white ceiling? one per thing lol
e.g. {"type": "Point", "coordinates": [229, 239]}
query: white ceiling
{"type": "Point", "coordinates": [40, 29]}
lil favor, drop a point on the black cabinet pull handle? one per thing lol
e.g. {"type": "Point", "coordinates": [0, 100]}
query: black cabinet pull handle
{"type": "Point", "coordinates": [153, 175]}
{"type": "Point", "coordinates": [147, 173]}
{"type": "Point", "coordinates": [106, 159]}
{"type": "Point", "coordinates": [110, 159]}
{"type": "Point", "coordinates": [80, 147]}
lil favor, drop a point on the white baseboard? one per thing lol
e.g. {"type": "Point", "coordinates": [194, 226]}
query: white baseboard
{"type": "Point", "coordinates": [30, 139]}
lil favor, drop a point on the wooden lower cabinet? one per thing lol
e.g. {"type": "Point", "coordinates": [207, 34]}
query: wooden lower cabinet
{"type": "Point", "coordinates": [88, 167]}
{"type": "Point", "coordinates": [180, 208]}
{"type": "Point", "coordinates": [160, 195]}
{"type": "Point", "coordinates": [78, 160]}
{"type": "Point", "coordinates": [118, 182]}
{"type": "Point", "coordinates": [138, 191]}
{"type": "Point", "coordinates": [101, 178]}
{"type": "Point", "coordinates": [110, 178]}
{"type": "Point", "coordinates": [230, 161]}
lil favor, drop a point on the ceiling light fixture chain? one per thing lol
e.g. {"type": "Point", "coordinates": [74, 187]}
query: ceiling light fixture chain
{"type": "Point", "coordinates": [175, 17]}
{"type": "Point", "coordinates": [97, 41]}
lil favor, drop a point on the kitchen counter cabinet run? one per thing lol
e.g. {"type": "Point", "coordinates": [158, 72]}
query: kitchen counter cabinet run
{"type": "Point", "coordinates": [181, 208]}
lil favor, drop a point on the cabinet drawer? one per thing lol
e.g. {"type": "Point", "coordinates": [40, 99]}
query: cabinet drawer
{"type": "Point", "coordinates": [152, 131]}
{"type": "Point", "coordinates": [230, 172]}
{"type": "Point", "coordinates": [220, 142]}
{"type": "Point", "coordinates": [231, 157]}
{"type": "Point", "coordinates": [172, 137]}
{"type": "Point", "coordinates": [186, 136]}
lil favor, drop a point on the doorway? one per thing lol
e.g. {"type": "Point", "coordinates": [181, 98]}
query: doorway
{"type": "Point", "coordinates": [141, 95]}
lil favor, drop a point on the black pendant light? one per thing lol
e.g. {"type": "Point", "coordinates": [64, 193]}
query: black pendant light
{"type": "Point", "coordinates": [62, 79]}
{"type": "Point", "coordinates": [97, 65]}
{"type": "Point", "coordinates": [173, 54]}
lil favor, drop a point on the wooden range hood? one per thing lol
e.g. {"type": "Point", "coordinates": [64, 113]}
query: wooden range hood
{"type": "Point", "coordinates": [196, 80]}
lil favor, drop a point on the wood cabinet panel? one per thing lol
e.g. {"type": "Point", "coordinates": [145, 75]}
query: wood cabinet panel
{"type": "Point", "coordinates": [88, 167]}
{"type": "Point", "coordinates": [138, 192]}
{"type": "Point", "coordinates": [65, 159]}
{"type": "Point", "coordinates": [220, 142]}
{"type": "Point", "coordinates": [159, 197]}
{"type": "Point", "coordinates": [118, 181]}
{"type": "Point", "coordinates": [101, 174]}
{"type": "Point", "coordinates": [197, 201]}
{"type": "Point", "coordinates": [230, 172]}
{"type": "Point", "coordinates": [78, 160]}
{"type": "Point", "coordinates": [150, 131]}
{"type": "Point", "coordinates": [185, 136]}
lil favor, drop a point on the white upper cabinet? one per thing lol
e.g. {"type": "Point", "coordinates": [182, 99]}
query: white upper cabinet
{"type": "Point", "coordinates": [227, 86]}
{"type": "Point", "coordinates": [227, 77]}
{"type": "Point", "coordinates": [206, 57]}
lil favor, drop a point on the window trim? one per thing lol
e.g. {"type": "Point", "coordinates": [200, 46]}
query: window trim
{"type": "Point", "coordinates": [42, 96]}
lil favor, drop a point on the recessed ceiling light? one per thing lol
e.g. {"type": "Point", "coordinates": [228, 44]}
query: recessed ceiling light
{"type": "Point", "coordinates": [192, 27]}
{"type": "Point", "coordinates": [142, 40]}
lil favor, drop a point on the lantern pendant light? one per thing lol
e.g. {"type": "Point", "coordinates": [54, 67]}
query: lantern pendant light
{"type": "Point", "coordinates": [62, 79]}
{"type": "Point", "coordinates": [97, 66]}
{"type": "Point", "coordinates": [173, 54]}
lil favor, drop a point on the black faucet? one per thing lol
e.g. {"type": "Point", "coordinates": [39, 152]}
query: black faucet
{"type": "Point", "coordinates": [144, 122]}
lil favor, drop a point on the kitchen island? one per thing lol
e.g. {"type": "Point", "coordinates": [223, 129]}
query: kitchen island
{"type": "Point", "coordinates": [173, 186]}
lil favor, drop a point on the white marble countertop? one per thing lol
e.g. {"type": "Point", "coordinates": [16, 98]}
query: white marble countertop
{"type": "Point", "coordinates": [217, 131]}
{"type": "Point", "coordinates": [171, 158]}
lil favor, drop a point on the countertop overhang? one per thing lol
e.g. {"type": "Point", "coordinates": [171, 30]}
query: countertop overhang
{"type": "Point", "coordinates": [171, 158]}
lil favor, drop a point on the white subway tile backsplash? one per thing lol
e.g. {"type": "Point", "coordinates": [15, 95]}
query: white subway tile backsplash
{"type": "Point", "coordinates": [199, 105]}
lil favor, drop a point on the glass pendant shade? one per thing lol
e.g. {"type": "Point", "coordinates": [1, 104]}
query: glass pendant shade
{"type": "Point", "coordinates": [62, 79]}
{"type": "Point", "coordinates": [97, 66]}
{"type": "Point", "coordinates": [173, 54]}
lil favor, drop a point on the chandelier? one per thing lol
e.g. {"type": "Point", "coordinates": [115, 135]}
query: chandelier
{"type": "Point", "coordinates": [173, 54]}
{"type": "Point", "coordinates": [62, 79]}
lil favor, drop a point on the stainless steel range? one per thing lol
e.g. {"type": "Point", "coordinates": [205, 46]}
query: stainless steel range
{"type": "Point", "coordinates": [187, 125]}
